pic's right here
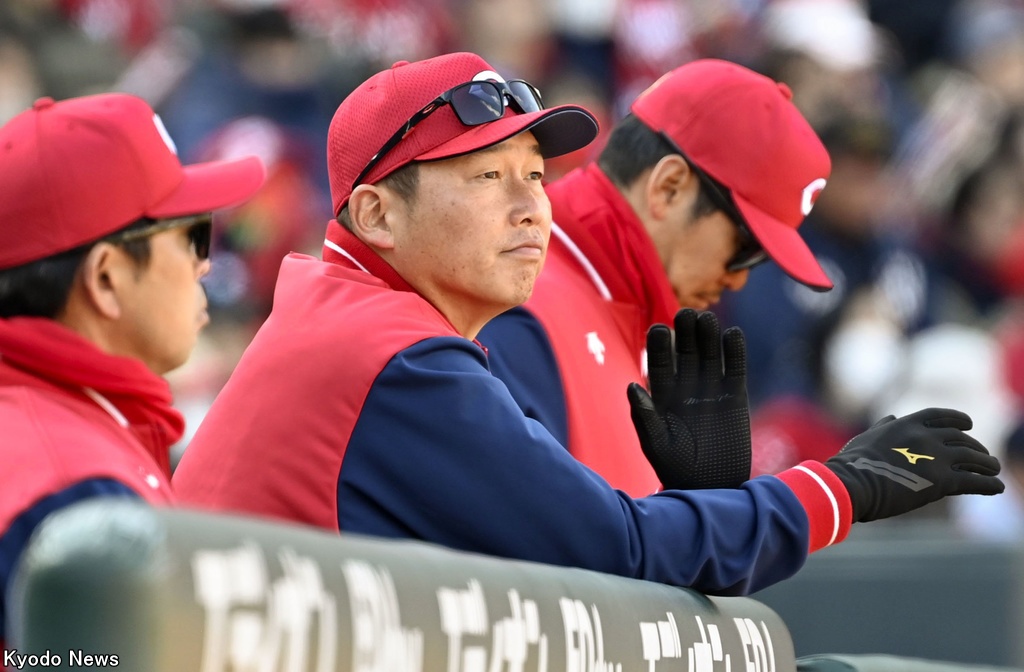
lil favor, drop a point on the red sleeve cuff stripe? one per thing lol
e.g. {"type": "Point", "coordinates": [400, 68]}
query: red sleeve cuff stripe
{"type": "Point", "coordinates": [831, 500]}
{"type": "Point", "coordinates": [826, 501]}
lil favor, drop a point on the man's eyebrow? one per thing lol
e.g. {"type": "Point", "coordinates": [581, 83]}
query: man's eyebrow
{"type": "Point", "coordinates": [534, 148]}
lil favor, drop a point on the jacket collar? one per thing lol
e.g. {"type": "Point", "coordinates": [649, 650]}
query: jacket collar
{"type": "Point", "coordinates": [342, 247]}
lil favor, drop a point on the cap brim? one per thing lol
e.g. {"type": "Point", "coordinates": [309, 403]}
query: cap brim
{"type": "Point", "coordinates": [559, 130]}
{"type": "Point", "coordinates": [212, 186]}
{"type": "Point", "coordinates": [785, 246]}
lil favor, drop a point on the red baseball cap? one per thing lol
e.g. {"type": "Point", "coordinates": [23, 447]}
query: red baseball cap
{"type": "Point", "coordinates": [378, 107]}
{"type": "Point", "coordinates": [80, 169]}
{"type": "Point", "coordinates": [743, 129]}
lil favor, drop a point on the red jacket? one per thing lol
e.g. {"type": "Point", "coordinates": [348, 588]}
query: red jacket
{"type": "Point", "coordinates": [70, 413]}
{"type": "Point", "coordinates": [358, 407]}
{"type": "Point", "coordinates": [285, 463]}
{"type": "Point", "coordinates": [74, 423]}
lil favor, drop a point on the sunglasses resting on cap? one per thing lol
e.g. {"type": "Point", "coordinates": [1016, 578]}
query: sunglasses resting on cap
{"type": "Point", "coordinates": [474, 103]}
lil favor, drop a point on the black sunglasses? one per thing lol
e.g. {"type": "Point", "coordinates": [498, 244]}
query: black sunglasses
{"type": "Point", "coordinates": [474, 103]}
{"type": "Point", "coordinates": [750, 252]}
{"type": "Point", "coordinates": [200, 232]}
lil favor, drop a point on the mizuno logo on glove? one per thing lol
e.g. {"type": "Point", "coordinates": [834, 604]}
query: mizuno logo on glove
{"type": "Point", "coordinates": [941, 459]}
{"type": "Point", "coordinates": [912, 457]}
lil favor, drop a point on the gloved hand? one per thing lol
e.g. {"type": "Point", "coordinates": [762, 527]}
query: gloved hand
{"type": "Point", "coordinates": [901, 464]}
{"type": "Point", "coordinates": [694, 426]}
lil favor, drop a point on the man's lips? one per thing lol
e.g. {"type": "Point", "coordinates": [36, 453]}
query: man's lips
{"type": "Point", "coordinates": [526, 247]}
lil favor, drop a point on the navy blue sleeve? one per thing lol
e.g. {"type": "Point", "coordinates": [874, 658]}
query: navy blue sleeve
{"type": "Point", "coordinates": [17, 535]}
{"type": "Point", "coordinates": [442, 453]}
{"type": "Point", "coordinates": [520, 354]}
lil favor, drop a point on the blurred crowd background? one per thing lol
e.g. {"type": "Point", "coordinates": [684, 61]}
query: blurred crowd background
{"type": "Point", "coordinates": [921, 227]}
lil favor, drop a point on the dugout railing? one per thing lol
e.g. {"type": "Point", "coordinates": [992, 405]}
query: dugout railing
{"type": "Point", "coordinates": [114, 583]}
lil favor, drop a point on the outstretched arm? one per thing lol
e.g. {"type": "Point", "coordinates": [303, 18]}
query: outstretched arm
{"type": "Point", "coordinates": [696, 418]}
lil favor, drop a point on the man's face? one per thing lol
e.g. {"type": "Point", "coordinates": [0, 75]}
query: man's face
{"type": "Point", "coordinates": [473, 239]}
{"type": "Point", "coordinates": [695, 252]}
{"type": "Point", "coordinates": [163, 305]}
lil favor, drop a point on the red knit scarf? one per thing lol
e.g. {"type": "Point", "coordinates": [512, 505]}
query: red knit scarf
{"type": "Point", "coordinates": [51, 353]}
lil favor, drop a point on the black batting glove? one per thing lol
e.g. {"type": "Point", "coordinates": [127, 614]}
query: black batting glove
{"type": "Point", "coordinates": [901, 464]}
{"type": "Point", "coordinates": [694, 426]}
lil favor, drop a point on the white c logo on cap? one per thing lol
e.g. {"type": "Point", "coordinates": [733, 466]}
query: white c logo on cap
{"type": "Point", "coordinates": [811, 192]}
{"type": "Point", "coordinates": [159, 123]}
{"type": "Point", "coordinates": [488, 75]}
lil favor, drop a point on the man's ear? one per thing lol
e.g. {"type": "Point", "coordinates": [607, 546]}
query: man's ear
{"type": "Point", "coordinates": [370, 208]}
{"type": "Point", "coordinates": [670, 183]}
{"type": "Point", "coordinates": [101, 275]}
